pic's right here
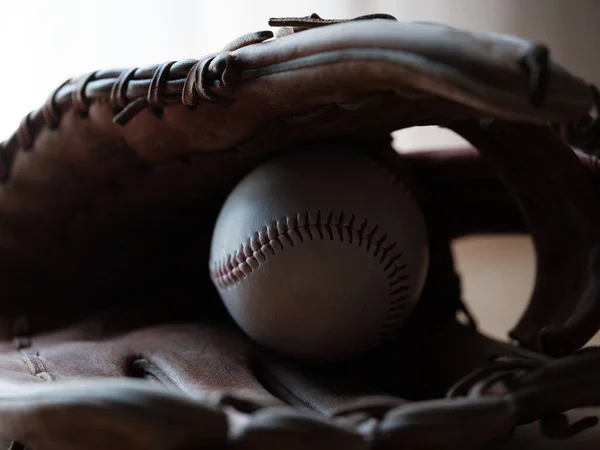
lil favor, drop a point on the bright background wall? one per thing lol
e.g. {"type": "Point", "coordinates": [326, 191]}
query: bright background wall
{"type": "Point", "coordinates": [46, 41]}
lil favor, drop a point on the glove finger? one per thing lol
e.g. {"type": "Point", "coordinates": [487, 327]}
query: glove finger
{"type": "Point", "coordinates": [209, 358]}
{"type": "Point", "coordinates": [127, 343]}
{"type": "Point", "coordinates": [87, 190]}
{"type": "Point", "coordinates": [200, 363]}
{"type": "Point", "coordinates": [99, 414]}
{"type": "Point", "coordinates": [114, 153]}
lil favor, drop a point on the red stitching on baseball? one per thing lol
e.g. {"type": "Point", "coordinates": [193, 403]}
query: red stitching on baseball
{"type": "Point", "coordinates": [288, 227]}
{"type": "Point", "coordinates": [280, 234]}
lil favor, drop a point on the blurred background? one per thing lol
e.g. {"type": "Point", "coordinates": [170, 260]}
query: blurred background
{"type": "Point", "coordinates": [45, 42]}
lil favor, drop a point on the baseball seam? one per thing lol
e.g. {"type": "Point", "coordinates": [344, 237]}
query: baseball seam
{"type": "Point", "coordinates": [289, 231]}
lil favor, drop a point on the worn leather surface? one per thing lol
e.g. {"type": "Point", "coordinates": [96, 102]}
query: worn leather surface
{"type": "Point", "coordinates": [202, 365]}
{"type": "Point", "coordinates": [146, 146]}
{"type": "Point", "coordinates": [113, 335]}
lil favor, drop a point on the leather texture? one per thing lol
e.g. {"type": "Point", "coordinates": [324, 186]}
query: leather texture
{"type": "Point", "coordinates": [113, 335]}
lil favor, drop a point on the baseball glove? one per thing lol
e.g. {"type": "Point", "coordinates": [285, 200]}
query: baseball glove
{"type": "Point", "coordinates": [113, 335]}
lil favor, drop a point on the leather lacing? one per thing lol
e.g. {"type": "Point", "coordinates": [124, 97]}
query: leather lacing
{"type": "Point", "coordinates": [297, 24]}
{"type": "Point", "coordinates": [154, 100]}
{"type": "Point", "coordinates": [479, 381]}
{"type": "Point", "coordinates": [508, 372]}
{"type": "Point", "coordinates": [212, 79]}
{"type": "Point", "coordinates": [207, 80]}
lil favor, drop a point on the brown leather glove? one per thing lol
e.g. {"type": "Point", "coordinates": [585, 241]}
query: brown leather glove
{"type": "Point", "coordinates": [114, 337]}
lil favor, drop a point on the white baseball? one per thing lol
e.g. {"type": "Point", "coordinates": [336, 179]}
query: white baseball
{"type": "Point", "coordinates": [320, 254]}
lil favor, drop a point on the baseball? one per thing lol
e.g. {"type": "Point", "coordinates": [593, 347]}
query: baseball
{"type": "Point", "coordinates": [320, 254]}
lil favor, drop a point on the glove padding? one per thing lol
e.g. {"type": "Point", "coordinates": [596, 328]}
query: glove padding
{"type": "Point", "coordinates": [125, 379]}
{"type": "Point", "coordinates": [112, 187]}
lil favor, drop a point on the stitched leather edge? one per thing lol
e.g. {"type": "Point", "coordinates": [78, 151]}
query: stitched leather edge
{"type": "Point", "coordinates": [29, 355]}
